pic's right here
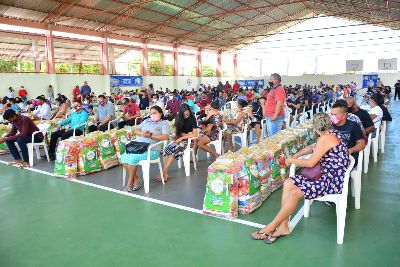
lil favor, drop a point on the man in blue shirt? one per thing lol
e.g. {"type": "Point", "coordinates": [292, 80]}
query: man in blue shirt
{"type": "Point", "coordinates": [105, 114]}
{"type": "Point", "coordinates": [85, 90]}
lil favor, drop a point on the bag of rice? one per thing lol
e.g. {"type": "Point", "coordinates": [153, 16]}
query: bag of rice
{"type": "Point", "coordinates": [66, 163]}
{"type": "Point", "coordinates": [119, 139]}
{"type": "Point", "coordinates": [88, 159]}
{"type": "Point", "coordinates": [4, 129]}
{"type": "Point", "coordinates": [107, 155]}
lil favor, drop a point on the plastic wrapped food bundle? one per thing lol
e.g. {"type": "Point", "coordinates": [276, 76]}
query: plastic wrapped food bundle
{"type": "Point", "coordinates": [221, 195]}
{"type": "Point", "coordinates": [66, 163]}
{"type": "Point", "coordinates": [88, 159]}
{"type": "Point", "coordinates": [4, 129]}
{"type": "Point", "coordinates": [266, 190]}
{"type": "Point", "coordinates": [119, 139]}
{"type": "Point", "coordinates": [248, 204]}
{"type": "Point", "coordinates": [107, 155]}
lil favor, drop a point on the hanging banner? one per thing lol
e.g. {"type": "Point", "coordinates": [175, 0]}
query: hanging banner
{"type": "Point", "coordinates": [117, 80]}
{"type": "Point", "coordinates": [370, 80]}
{"type": "Point", "coordinates": [250, 83]}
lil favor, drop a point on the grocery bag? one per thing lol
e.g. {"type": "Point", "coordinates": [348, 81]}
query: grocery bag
{"type": "Point", "coordinates": [107, 155]}
{"type": "Point", "coordinates": [66, 163]}
{"type": "Point", "coordinates": [88, 159]}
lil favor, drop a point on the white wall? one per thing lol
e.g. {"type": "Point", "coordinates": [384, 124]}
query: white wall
{"type": "Point", "coordinates": [35, 84]}
{"type": "Point", "coordinates": [66, 83]}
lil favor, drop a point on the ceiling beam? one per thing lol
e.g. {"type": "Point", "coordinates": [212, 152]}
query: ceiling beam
{"type": "Point", "coordinates": [59, 11]}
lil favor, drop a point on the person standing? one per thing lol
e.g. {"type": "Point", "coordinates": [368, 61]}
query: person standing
{"type": "Point", "coordinates": [23, 94]}
{"type": "Point", "coordinates": [235, 87]}
{"type": "Point", "coordinates": [21, 133]}
{"type": "Point", "coordinates": [50, 93]}
{"type": "Point", "coordinates": [85, 90]}
{"type": "Point", "coordinates": [275, 105]}
{"type": "Point", "coordinates": [397, 90]}
{"type": "Point", "coordinates": [10, 93]}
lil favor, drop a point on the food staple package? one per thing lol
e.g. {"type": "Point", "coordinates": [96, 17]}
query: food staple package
{"type": "Point", "coordinates": [119, 139]}
{"type": "Point", "coordinates": [4, 129]}
{"type": "Point", "coordinates": [107, 155]}
{"type": "Point", "coordinates": [221, 198]}
{"type": "Point", "coordinates": [66, 163]}
{"type": "Point", "coordinates": [88, 159]}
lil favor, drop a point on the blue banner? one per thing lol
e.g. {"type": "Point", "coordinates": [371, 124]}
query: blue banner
{"type": "Point", "coordinates": [370, 80]}
{"type": "Point", "coordinates": [117, 80]}
{"type": "Point", "coordinates": [250, 83]}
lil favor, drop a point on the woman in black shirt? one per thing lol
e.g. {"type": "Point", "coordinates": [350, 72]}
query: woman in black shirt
{"type": "Point", "coordinates": [185, 128]}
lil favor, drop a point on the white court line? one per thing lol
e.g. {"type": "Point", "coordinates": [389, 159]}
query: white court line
{"type": "Point", "coordinates": [292, 223]}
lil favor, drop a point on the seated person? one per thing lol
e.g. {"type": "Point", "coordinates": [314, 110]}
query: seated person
{"type": "Point", "coordinates": [62, 108]}
{"type": "Point", "coordinates": [12, 105]}
{"type": "Point", "coordinates": [172, 106]}
{"type": "Point", "coordinates": [375, 112]}
{"type": "Point", "coordinates": [43, 110]}
{"type": "Point", "coordinates": [150, 131]}
{"type": "Point", "coordinates": [185, 128]}
{"type": "Point", "coordinates": [351, 132]}
{"type": "Point", "coordinates": [332, 154]}
{"type": "Point", "coordinates": [130, 113]}
{"type": "Point", "coordinates": [236, 125]}
{"type": "Point", "coordinates": [256, 116]}
{"type": "Point", "coordinates": [105, 113]}
{"type": "Point", "coordinates": [21, 132]}
{"type": "Point", "coordinates": [212, 125]}
{"type": "Point", "coordinates": [80, 116]}
{"type": "Point", "coordinates": [352, 107]}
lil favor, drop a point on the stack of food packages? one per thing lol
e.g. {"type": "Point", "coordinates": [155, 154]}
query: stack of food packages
{"type": "Point", "coordinates": [4, 129]}
{"type": "Point", "coordinates": [221, 198]}
{"type": "Point", "coordinates": [52, 128]}
{"type": "Point", "coordinates": [107, 155]}
{"type": "Point", "coordinates": [66, 163]}
{"type": "Point", "coordinates": [119, 139]}
{"type": "Point", "coordinates": [88, 157]}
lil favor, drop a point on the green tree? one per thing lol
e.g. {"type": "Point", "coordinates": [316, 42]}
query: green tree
{"type": "Point", "coordinates": [8, 66]}
{"type": "Point", "coordinates": [209, 71]}
{"type": "Point", "coordinates": [27, 66]}
{"type": "Point", "coordinates": [63, 68]}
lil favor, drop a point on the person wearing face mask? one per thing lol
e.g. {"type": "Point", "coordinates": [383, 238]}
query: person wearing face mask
{"type": "Point", "coordinates": [275, 105]}
{"type": "Point", "coordinates": [185, 128]}
{"type": "Point", "coordinates": [237, 124]}
{"type": "Point", "coordinates": [43, 110]}
{"type": "Point", "coordinates": [130, 113]}
{"type": "Point", "coordinates": [21, 133]}
{"type": "Point", "coordinates": [368, 124]}
{"type": "Point", "coordinates": [330, 152]}
{"type": "Point", "coordinates": [105, 113]}
{"type": "Point", "coordinates": [157, 102]}
{"type": "Point", "coordinates": [204, 100]}
{"type": "Point", "coordinates": [77, 118]}
{"type": "Point", "coordinates": [351, 132]}
{"type": "Point", "coordinates": [151, 131]}
{"type": "Point", "coordinates": [62, 108]}
{"type": "Point", "coordinates": [173, 107]}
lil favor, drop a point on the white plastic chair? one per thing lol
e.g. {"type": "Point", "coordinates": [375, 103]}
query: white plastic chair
{"type": "Point", "coordinates": [145, 164]}
{"type": "Point", "coordinates": [382, 138]}
{"type": "Point", "coordinates": [114, 123]}
{"type": "Point", "coordinates": [231, 105]}
{"type": "Point", "coordinates": [375, 145]}
{"type": "Point", "coordinates": [294, 122]}
{"type": "Point", "coordinates": [367, 151]}
{"type": "Point", "coordinates": [186, 157]}
{"type": "Point", "coordinates": [218, 144]}
{"type": "Point", "coordinates": [37, 147]}
{"type": "Point", "coordinates": [78, 126]}
{"type": "Point", "coordinates": [264, 128]}
{"type": "Point", "coordinates": [339, 199]}
{"type": "Point", "coordinates": [356, 181]}
{"type": "Point", "coordinates": [242, 136]}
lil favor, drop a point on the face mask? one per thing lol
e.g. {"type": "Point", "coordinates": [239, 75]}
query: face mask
{"type": "Point", "coordinates": [155, 117]}
{"type": "Point", "coordinates": [133, 97]}
{"type": "Point", "coordinates": [335, 119]}
{"type": "Point", "coordinates": [85, 102]}
{"type": "Point", "coordinates": [154, 100]}
{"type": "Point", "coordinates": [171, 97]}
{"type": "Point", "coordinates": [270, 84]}
{"type": "Point", "coordinates": [78, 108]}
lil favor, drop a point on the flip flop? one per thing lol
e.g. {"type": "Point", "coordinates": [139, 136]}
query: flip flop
{"type": "Point", "coordinates": [264, 235]}
{"type": "Point", "coordinates": [137, 186]}
{"type": "Point", "coordinates": [13, 163]}
{"type": "Point", "coordinates": [272, 239]}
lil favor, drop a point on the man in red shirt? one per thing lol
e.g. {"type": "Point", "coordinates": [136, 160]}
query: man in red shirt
{"type": "Point", "coordinates": [23, 94]}
{"type": "Point", "coordinates": [76, 93]}
{"type": "Point", "coordinates": [227, 87]}
{"type": "Point", "coordinates": [173, 106]}
{"type": "Point", "coordinates": [235, 87]}
{"type": "Point", "coordinates": [274, 106]}
{"type": "Point", "coordinates": [21, 133]}
{"type": "Point", "coordinates": [249, 94]}
{"type": "Point", "coordinates": [131, 112]}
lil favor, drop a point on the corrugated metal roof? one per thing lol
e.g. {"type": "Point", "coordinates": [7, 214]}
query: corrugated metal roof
{"type": "Point", "coordinates": [216, 24]}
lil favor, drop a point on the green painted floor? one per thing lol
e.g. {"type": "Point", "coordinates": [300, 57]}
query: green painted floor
{"type": "Point", "coordinates": [46, 221]}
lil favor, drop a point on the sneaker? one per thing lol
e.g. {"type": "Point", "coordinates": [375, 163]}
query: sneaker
{"type": "Point", "coordinates": [137, 186]}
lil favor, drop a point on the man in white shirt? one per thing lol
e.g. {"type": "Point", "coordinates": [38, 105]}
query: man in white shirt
{"type": "Point", "coordinates": [43, 110]}
{"type": "Point", "coordinates": [375, 112]}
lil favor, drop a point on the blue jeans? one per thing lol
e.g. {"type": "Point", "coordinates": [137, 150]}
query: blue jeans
{"type": "Point", "coordinates": [22, 141]}
{"type": "Point", "coordinates": [273, 127]}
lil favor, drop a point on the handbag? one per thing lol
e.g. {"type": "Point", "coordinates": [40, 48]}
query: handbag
{"type": "Point", "coordinates": [313, 173]}
{"type": "Point", "coordinates": [134, 147]}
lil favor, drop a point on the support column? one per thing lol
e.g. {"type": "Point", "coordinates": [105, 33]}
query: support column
{"type": "Point", "coordinates": [235, 67]}
{"type": "Point", "coordinates": [19, 65]}
{"type": "Point", "coordinates": [199, 66]}
{"type": "Point", "coordinates": [112, 59]}
{"type": "Point", "coordinates": [175, 66]}
{"type": "Point", "coordinates": [144, 65]}
{"type": "Point", "coordinates": [261, 70]}
{"type": "Point", "coordinates": [219, 68]}
{"type": "Point", "coordinates": [50, 52]}
{"type": "Point", "coordinates": [162, 62]}
{"type": "Point", "coordinates": [105, 69]}
{"type": "Point", "coordinates": [35, 55]}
